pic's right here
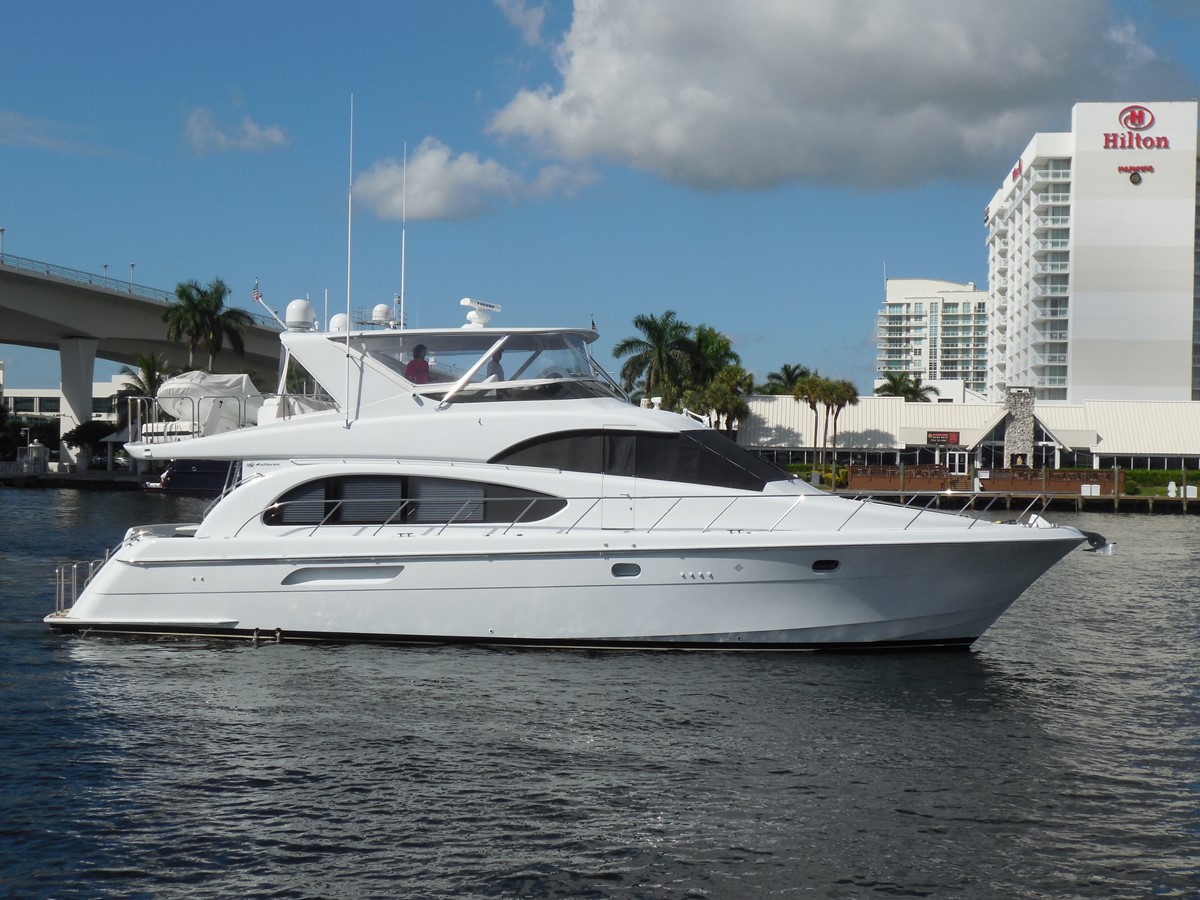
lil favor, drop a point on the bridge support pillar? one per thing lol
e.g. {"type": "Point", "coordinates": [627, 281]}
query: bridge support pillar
{"type": "Point", "coordinates": [77, 359]}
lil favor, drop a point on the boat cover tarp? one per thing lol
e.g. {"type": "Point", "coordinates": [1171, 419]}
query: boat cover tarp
{"type": "Point", "coordinates": [217, 403]}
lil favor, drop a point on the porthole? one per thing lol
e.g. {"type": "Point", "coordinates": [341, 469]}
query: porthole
{"type": "Point", "coordinates": [626, 570]}
{"type": "Point", "coordinates": [825, 565]}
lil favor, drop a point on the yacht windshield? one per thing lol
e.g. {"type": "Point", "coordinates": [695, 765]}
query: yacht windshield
{"type": "Point", "coordinates": [504, 362]}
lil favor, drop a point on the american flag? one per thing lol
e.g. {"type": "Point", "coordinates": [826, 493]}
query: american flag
{"type": "Point", "coordinates": [257, 295]}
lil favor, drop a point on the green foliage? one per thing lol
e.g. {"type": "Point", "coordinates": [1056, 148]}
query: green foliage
{"type": "Point", "coordinates": [908, 386]}
{"type": "Point", "coordinates": [201, 319]}
{"type": "Point", "coordinates": [784, 380]}
{"type": "Point", "coordinates": [13, 436]}
{"type": "Point", "coordinates": [1154, 481]}
{"type": "Point", "coordinates": [144, 381]}
{"type": "Point", "coordinates": [659, 359]}
{"type": "Point", "coordinates": [88, 434]}
{"type": "Point", "coordinates": [698, 369]}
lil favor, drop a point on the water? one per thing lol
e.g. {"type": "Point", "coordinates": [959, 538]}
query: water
{"type": "Point", "coordinates": [1059, 758]}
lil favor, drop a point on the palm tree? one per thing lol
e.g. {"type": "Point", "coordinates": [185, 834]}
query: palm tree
{"type": "Point", "coordinates": [711, 352]}
{"type": "Point", "coordinates": [187, 318]}
{"type": "Point", "coordinates": [810, 389]}
{"type": "Point", "coordinates": [228, 322]}
{"type": "Point", "coordinates": [724, 397]}
{"type": "Point", "coordinates": [201, 318]}
{"type": "Point", "coordinates": [659, 359]}
{"type": "Point", "coordinates": [827, 394]}
{"type": "Point", "coordinates": [843, 394]}
{"type": "Point", "coordinates": [908, 386]}
{"type": "Point", "coordinates": [784, 381]}
{"type": "Point", "coordinates": [144, 381]}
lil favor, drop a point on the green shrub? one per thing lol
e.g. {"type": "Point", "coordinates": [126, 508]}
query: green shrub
{"type": "Point", "coordinates": [1161, 477]}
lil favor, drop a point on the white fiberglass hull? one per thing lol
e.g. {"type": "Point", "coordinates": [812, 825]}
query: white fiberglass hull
{"type": "Point", "coordinates": [634, 590]}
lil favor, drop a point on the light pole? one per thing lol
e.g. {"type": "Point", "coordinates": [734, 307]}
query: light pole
{"type": "Point", "coordinates": [131, 278]}
{"type": "Point", "coordinates": [106, 270]}
{"type": "Point", "coordinates": [1, 244]}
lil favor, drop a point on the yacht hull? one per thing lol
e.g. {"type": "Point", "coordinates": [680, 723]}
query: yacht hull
{"type": "Point", "coordinates": [721, 591]}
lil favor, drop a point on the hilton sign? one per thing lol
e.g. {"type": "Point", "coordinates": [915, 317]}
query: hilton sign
{"type": "Point", "coordinates": [1135, 120]}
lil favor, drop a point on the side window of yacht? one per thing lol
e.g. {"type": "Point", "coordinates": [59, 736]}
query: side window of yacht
{"type": "Point", "coordinates": [402, 499]}
{"type": "Point", "coordinates": [698, 457]}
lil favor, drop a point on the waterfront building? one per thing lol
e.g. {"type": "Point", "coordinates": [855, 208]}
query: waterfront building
{"type": "Point", "coordinates": [47, 404]}
{"type": "Point", "coordinates": [1092, 276]}
{"type": "Point", "coordinates": [936, 330]}
{"type": "Point", "coordinates": [884, 431]}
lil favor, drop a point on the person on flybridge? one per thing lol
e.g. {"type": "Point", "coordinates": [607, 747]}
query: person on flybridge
{"type": "Point", "coordinates": [495, 371]}
{"type": "Point", "coordinates": [417, 371]}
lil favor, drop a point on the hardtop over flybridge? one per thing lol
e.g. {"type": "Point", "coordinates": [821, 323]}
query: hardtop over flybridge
{"type": "Point", "coordinates": [495, 485]}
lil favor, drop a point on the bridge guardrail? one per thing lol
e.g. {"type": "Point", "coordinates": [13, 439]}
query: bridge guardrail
{"type": "Point", "coordinates": [124, 286]}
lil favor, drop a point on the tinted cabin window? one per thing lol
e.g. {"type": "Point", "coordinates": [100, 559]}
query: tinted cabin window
{"type": "Point", "coordinates": [401, 499]}
{"type": "Point", "coordinates": [698, 457]}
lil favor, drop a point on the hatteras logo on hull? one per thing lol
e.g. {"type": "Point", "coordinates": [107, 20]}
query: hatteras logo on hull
{"type": "Point", "coordinates": [1135, 119]}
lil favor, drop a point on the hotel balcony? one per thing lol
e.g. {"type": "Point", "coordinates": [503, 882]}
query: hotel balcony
{"type": "Point", "coordinates": [1050, 268]}
{"type": "Point", "coordinates": [1050, 337]}
{"type": "Point", "coordinates": [1049, 359]}
{"type": "Point", "coordinates": [1053, 175]}
{"type": "Point", "coordinates": [1051, 198]}
{"type": "Point", "coordinates": [1046, 245]}
{"type": "Point", "coordinates": [1042, 223]}
{"type": "Point", "coordinates": [1051, 290]}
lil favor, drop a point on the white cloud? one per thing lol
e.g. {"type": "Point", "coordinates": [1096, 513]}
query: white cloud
{"type": "Point", "coordinates": [204, 134]}
{"type": "Point", "coordinates": [17, 130]}
{"type": "Point", "coordinates": [868, 93]}
{"type": "Point", "coordinates": [527, 21]}
{"type": "Point", "coordinates": [441, 185]}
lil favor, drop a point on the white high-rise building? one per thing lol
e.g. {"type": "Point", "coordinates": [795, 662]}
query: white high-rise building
{"type": "Point", "coordinates": [935, 329]}
{"type": "Point", "coordinates": [1092, 248]}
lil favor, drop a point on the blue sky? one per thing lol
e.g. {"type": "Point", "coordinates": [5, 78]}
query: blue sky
{"type": "Point", "coordinates": [755, 165]}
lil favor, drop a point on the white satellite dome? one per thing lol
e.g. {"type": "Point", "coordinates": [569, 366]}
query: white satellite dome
{"type": "Point", "coordinates": [300, 316]}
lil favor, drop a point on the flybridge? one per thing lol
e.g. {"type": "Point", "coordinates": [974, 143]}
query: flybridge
{"type": "Point", "coordinates": [1132, 140]}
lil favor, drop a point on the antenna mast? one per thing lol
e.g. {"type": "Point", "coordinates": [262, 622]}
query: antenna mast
{"type": "Point", "coordinates": [403, 226]}
{"type": "Point", "coordinates": [349, 225]}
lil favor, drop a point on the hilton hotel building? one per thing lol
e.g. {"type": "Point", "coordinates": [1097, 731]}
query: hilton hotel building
{"type": "Point", "coordinates": [1092, 259]}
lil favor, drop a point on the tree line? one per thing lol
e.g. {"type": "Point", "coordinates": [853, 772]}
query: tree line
{"type": "Point", "coordinates": [697, 369]}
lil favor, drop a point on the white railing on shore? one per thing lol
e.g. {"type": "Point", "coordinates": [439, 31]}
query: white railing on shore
{"type": "Point", "coordinates": [22, 467]}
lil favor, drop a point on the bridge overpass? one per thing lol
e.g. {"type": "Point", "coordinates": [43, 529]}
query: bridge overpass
{"type": "Point", "coordinates": [84, 316]}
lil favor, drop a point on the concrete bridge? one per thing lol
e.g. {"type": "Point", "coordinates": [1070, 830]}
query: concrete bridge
{"type": "Point", "coordinates": [84, 316]}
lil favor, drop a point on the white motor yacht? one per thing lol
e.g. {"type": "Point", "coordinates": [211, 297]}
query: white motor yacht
{"type": "Point", "coordinates": [503, 490]}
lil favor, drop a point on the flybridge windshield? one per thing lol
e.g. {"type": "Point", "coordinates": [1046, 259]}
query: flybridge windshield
{"type": "Point", "coordinates": [516, 359]}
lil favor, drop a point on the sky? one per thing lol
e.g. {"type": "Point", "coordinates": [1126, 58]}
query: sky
{"type": "Point", "coordinates": [758, 166]}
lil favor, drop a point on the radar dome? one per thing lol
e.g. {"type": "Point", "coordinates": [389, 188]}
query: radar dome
{"type": "Point", "coordinates": [300, 316]}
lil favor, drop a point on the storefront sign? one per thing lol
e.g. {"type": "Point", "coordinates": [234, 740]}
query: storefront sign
{"type": "Point", "coordinates": [941, 437]}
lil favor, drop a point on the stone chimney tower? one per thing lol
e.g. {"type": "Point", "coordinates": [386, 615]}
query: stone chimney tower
{"type": "Point", "coordinates": [1018, 431]}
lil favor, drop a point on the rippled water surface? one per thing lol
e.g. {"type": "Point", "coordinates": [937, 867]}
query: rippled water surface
{"type": "Point", "coordinates": [1059, 757]}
